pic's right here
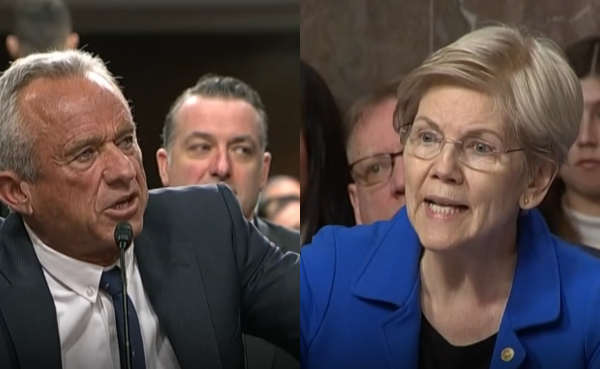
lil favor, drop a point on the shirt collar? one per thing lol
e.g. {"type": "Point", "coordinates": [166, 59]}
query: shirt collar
{"type": "Point", "coordinates": [81, 277]}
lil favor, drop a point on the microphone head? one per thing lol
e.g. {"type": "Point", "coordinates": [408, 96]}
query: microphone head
{"type": "Point", "coordinates": [123, 234]}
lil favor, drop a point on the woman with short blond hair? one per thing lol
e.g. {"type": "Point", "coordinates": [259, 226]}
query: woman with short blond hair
{"type": "Point", "coordinates": [467, 274]}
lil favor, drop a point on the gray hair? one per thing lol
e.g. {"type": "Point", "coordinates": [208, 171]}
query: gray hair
{"type": "Point", "coordinates": [16, 143]}
{"type": "Point", "coordinates": [528, 76]}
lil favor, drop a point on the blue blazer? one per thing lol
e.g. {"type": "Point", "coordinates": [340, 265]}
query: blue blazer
{"type": "Point", "coordinates": [360, 300]}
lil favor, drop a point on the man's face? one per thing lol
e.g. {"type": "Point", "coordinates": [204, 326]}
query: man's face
{"type": "Point", "coordinates": [283, 202]}
{"type": "Point", "coordinates": [217, 140]}
{"type": "Point", "coordinates": [90, 164]}
{"type": "Point", "coordinates": [375, 135]}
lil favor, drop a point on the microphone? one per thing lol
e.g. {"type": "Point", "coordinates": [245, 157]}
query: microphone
{"type": "Point", "coordinates": [123, 238]}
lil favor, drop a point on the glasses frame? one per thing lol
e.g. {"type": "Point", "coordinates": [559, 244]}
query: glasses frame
{"type": "Point", "coordinates": [392, 157]}
{"type": "Point", "coordinates": [404, 134]}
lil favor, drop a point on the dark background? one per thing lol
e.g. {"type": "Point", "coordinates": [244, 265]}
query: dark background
{"type": "Point", "coordinates": [159, 48]}
{"type": "Point", "coordinates": [358, 44]}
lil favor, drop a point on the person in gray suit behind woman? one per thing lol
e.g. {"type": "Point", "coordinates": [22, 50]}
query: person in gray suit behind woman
{"type": "Point", "coordinates": [199, 274]}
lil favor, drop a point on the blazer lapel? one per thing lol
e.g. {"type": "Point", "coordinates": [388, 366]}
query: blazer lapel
{"type": "Point", "coordinates": [537, 270]}
{"type": "Point", "coordinates": [174, 285]}
{"type": "Point", "coordinates": [390, 275]}
{"type": "Point", "coordinates": [509, 352]}
{"type": "Point", "coordinates": [26, 303]}
{"type": "Point", "coordinates": [400, 332]}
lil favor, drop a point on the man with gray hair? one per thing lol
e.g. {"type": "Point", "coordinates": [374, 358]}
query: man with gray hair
{"type": "Point", "coordinates": [197, 274]}
{"type": "Point", "coordinates": [40, 26]}
{"type": "Point", "coordinates": [216, 131]}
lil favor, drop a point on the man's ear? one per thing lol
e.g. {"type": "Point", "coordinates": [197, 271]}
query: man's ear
{"type": "Point", "coordinates": [162, 159]}
{"type": "Point", "coordinates": [539, 184]}
{"type": "Point", "coordinates": [265, 170]}
{"type": "Point", "coordinates": [355, 202]}
{"type": "Point", "coordinates": [72, 40]}
{"type": "Point", "coordinates": [15, 193]}
{"type": "Point", "coordinates": [12, 46]}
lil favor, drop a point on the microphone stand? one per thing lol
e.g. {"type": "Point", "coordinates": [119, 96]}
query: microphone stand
{"type": "Point", "coordinates": [122, 247]}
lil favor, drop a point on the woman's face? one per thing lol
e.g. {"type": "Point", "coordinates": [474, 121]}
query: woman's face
{"type": "Point", "coordinates": [450, 204]}
{"type": "Point", "coordinates": [581, 174]}
{"type": "Point", "coordinates": [303, 165]}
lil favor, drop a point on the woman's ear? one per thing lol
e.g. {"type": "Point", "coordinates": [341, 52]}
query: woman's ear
{"type": "Point", "coordinates": [538, 185]}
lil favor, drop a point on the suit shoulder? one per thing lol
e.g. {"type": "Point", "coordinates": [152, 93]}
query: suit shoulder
{"type": "Point", "coordinates": [577, 262]}
{"type": "Point", "coordinates": [327, 263]}
{"type": "Point", "coordinates": [178, 198]}
{"type": "Point", "coordinates": [580, 284]}
{"type": "Point", "coordinates": [340, 244]}
{"type": "Point", "coordinates": [183, 192]}
{"type": "Point", "coordinates": [288, 239]}
{"type": "Point", "coordinates": [188, 206]}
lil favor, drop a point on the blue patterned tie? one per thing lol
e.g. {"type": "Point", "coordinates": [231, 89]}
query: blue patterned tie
{"type": "Point", "coordinates": [111, 283]}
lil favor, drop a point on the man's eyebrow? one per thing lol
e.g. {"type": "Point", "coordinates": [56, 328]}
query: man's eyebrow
{"type": "Point", "coordinates": [76, 145]}
{"type": "Point", "coordinates": [198, 135]}
{"type": "Point", "coordinates": [242, 139]}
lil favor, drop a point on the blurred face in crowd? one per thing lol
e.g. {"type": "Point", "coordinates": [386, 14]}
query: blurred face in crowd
{"type": "Point", "coordinates": [217, 140]}
{"type": "Point", "coordinates": [17, 50]}
{"type": "Point", "coordinates": [281, 199]}
{"type": "Point", "coordinates": [582, 172]}
{"type": "Point", "coordinates": [375, 154]}
{"type": "Point", "coordinates": [468, 192]}
{"type": "Point", "coordinates": [90, 167]}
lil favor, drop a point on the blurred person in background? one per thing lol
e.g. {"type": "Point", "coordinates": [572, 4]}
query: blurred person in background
{"type": "Point", "coordinates": [216, 131]}
{"type": "Point", "coordinates": [324, 177]}
{"type": "Point", "coordinates": [467, 274]}
{"type": "Point", "coordinates": [374, 152]}
{"type": "Point", "coordinates": [280, 201]}
{"type": "Point", "coordinates": [572, 207]}
{"type": "Point", "coordinates": [40, 26]}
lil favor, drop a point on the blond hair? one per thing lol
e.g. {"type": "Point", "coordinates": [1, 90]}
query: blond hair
{"type": "Point", "coordinates": [535, 90]}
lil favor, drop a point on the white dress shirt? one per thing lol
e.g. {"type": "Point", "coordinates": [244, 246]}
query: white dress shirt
{"type": "Point", "coordinates": [86, 317]}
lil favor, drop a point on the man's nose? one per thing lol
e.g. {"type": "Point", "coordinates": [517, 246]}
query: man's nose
{"type": "Point", "coordinates": [220, 165]}
{"type": "Point", "coordinates": [119, 166]}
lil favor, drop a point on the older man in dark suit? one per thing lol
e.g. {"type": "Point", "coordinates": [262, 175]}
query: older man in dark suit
{"type": "Point", "coordinates": [199, 275]}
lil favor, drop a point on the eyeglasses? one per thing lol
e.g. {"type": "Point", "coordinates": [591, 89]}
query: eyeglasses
{"type": "Point", "coordinates": [477, 153]}
{"type": "Point", "coordinates": [374, 169]}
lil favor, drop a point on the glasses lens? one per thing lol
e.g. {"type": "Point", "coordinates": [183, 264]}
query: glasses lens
{"type": "Point", "coordinates": [373, 170]}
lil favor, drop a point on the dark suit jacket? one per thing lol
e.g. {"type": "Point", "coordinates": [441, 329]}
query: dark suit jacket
{"type": "Point", "coordinates": [259, 353]}
{"type": "Point", "coordinates": [4, 210]}
{"type": "Point", "coordinates": [209, 275]}
{"type": "Point", "coordinates": [286, 238]}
